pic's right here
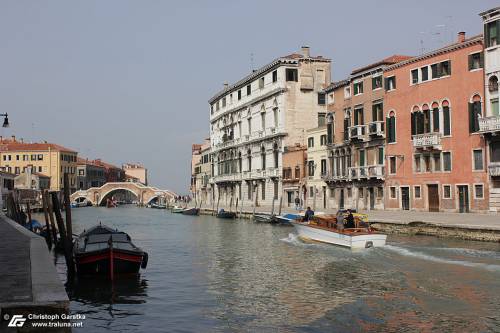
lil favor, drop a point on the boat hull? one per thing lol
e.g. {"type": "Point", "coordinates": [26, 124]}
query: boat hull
{"type": "Point", "coordinates": [98, 263]}
{"type": "Point", "coordinates": [191, 211]}
{"type": "Point", "coordinates": [226, 215]}
{"type": "Point", "coordinates": [361, 241]}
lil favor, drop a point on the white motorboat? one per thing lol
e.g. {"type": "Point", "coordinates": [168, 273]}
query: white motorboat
{"type": "Point", "coordinates": [354, 238]}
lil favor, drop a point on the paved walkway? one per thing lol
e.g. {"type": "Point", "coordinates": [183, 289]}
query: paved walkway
{"type": "Point", "coordinates": [468, 220]}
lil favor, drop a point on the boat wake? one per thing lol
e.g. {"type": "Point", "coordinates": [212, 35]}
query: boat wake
{"type": "Point", "coordinates": [294, 240]}
{"type": "Point", "coordinates": [471, 252]}
{"type": "Point", "coordinates": [421, 255]}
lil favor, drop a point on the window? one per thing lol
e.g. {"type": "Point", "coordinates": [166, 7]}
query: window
{"type": "Point", "coordinates": [297, 172]}
{"type": "Point", "coordinates": [217, 107]}
{"type": "Point", "coordinates": [414, 76]}
{"type": "Point", "coordinates": [424, 72]}
{"type": "Point", "coordinates": [446, 121]}
{"type": "Point", "coordinates": [239, 94]}
{"type": "Point", "coordinates": [263, 158]}
{"type": "Point", "coordinates": [359, 116]}
{"type": "Point", "coordinates": [494, 107]}
{"type": "Point", "coordinates": [287, 173]}
{"type": "Point", "coordinates": [292, 74]}
{"type": "Point", "coordinates": [321, 98]}
{"type": "Point", "coordinates": [40, 169]}
{"type": "Point", "coordinates": [377, 111]}
{"type": "Point", "coordinates": [417, 192]}
{"type": "Point", "coordinates": [474, 114]}
{"type": "Point", "coordinates": [434, 71]}
{"type": "Point", "coordinates": [390, 83]}
{"type": "Point", "coordinates": [347, 92]}
{"type": "Point", "coordinates": [435, 118]}
{"type": "Point", "coordinates": [376, 82]}
{"type": "Point", "coordinates": [275, 117]}
{"type": "Point", "coordinates": [478, 191]}
{"type": "Point", "coordinates": [445, 68]}
{"type": "Point", "coordinates": [249, 90]}
{"type": "Point", "coordinates": [417, 163]}
{"type": "Point", "coordinates": [492, 29]}
{"type": "Point", "coordinates": [276, 184]}
{"type": "Point", "coordinates": [261, 82]}
{"type": "Point", "coordinates": [249, 123]}
{"type": "Point", "coordinates": [358, 88]}
{"type": "Point", "coordinates": [321, 119]}
{"type": "Point", "coordinates": [40, 157]}
{"type": "Point", "coordinates": [392, 165]}
{"type": "Point", "coordinates": [380, 192]}
{"type": "Point", "coordinates": [380, 156]}
{"type": "Point", "coordinates": [263, 188]}
{"type": "Point", "coordinates": [224, 102]}
{"type": "Point", "coordinates": [311, 191]}
{"type": "Point", "coordinates": [322, 140]}
{"type": "Point", "coordinates": [393, 192]}
{"type": "Point", "coordinates": [446, 191]}
{"type": "Point", "coordinates": [310, 142]}
{"type": "Point", "coordinates": [446, 161]}
{"type": "Point", "coordinates": [250, 190]}
{"type": "Point", "coordinates": [437, 161]}
{"type": "Point", "coordinates": [427, 163]}
{"type": "Point", "coordinates": [323, 167]}
{"type": "Point", "coordinates": [310, 168]}
{"type": "Point", "coordinates": [478, 162]}
{"type": "Point", "coordinates": [475, 61]}
{"type": "Point", "coordinates": [391, 128]}
{"type": "Point", "coordinates": [275, 76]}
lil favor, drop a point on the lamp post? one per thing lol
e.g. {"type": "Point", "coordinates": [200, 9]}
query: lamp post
{"type": "Point", "coordinates": [5, 120]}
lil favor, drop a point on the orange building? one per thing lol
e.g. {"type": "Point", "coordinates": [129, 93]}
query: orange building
{"type": "Point", "coordinates": [435, 155]}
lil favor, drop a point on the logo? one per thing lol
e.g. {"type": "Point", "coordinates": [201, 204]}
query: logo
{"type": "Point", "coordinates": [17, 321]}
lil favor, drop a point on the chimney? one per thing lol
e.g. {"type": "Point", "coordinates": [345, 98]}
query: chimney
{"type": "Point", "coordinates": [226, 85]}
{"type": "Point", "coordinates": [13, 138]}
{"type": "Point", "coordinates": [461, 37]}
{"type": "Point", "coordinates": [305, 51]}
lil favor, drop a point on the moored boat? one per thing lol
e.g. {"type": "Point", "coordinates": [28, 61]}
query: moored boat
{"type": "Point", "coordinates": [177, 209]}
{"type": "Point", "coordinates": [325, 230]}
{"type": "Point", "coordinates": [264, 218]}
{"type": "Point", "coordinates": [157, 206]}
{"type": "Point", "coordinates": [287, 219]}
{"type": "Point", "coordinates": [222, 214]}
{"type": "Point", "coordinates": [191, 211]}
{"type": "Point", "coordinates": [101, 248]}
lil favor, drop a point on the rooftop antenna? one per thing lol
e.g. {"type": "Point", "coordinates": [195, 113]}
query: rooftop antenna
{"type": "Point", "coordinates": [251, 62]}
{"type": "Point", "coordinates": [449, 18]}
{"type": "Point", "coordinates": [422, 48]}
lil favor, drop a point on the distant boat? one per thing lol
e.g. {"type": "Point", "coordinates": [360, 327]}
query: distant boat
{"type": "Point", "coordinates": [157, 206]}
{"type": "Point", "coordinates": [191, 211]}
{"type": "Point", "coordinates": [264, 218]}
{"type": "Point", "coordinates": [287, 219]}
{"type": "Point", "coordinates": [222, 214]}
{"type": "Point", "coordinates": [177, 209]}
{"type": "Point", "coordinates": [110, 203]}
{"type": "Point", "coordinates": [93, 250]}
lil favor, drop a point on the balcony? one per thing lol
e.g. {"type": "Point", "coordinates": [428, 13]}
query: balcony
{"type": "Point", "coordinates": [494, 169]}
{"type": "Point", "coordinates": [376, 171]}
{"type": "Point", "coordinates": [367, 172]}
{"type": "Point", "coordinates": [376, 128]}
{"type": "Point", "coordinates": [330, 177]}
{"type": "Point", "coordinates": [357, 132]}
{"type": "Point", "coordinates": [427, 140]}
{"type": "Point", "coordinates": [272, 172]}
{"type": "Point", "coordinates": [489, 124]}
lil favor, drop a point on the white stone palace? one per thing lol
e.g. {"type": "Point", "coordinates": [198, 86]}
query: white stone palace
{"type": "Point", "coordinates": [253, 121]}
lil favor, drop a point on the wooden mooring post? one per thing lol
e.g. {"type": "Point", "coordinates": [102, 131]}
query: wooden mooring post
{"type": "Point", "coordinates": [48, 236]}
{"type": "Point", "coordinates": [62, 234]}
{"type": "Point", "coordinates": [281, 204]}
{"type": "Point", "coordinates": [51, 216]}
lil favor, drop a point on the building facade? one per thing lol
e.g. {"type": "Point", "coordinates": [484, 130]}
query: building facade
{"type": "Point", "coordinates": [489, 122]}
{"type": "Point", "coordinates": [136, 171]}
{"type": "Point", "coordinates": [201, 171]}
{"type": "Point", "coordinates": [435, 153]}
{"type": "Point", "coordinates": [29, 180]}
{"type": "Point", "coordinates": [317, 195]}
{"type": "Point", "coordinates": [294, 175]}
{"type": "Point", "coordinates": [6, 186]}
{"type": "Point", "coordinates": [89, 174]}
{"type": "Point", "coordinates": [48, 159]}
{"type": "Point", "coordinates": [253, 121]}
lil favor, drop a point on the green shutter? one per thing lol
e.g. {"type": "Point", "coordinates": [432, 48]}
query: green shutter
{"type": "Point", "coordinates": [471, 118]}
{"type": "Point", "coordinates": [392, 130]}
{"type": "Point", "coordinates": [446, 121]}
{"type": "Point", "coordinates": [435, 119]}
{"type": "Point", "coordinates": [413, 123]}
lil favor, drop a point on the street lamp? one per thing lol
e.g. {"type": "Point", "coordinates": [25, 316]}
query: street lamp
{"type": "Point", "coordinates": [5, 120]}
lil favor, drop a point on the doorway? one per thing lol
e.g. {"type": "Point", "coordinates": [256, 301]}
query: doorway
{"type": "Point", "coordinates": [405, 198]}
{"type": "Point", "coordinates": [372, 198]}
{"type": "Point", "coordinates": [324, 197]}
{"type": "Point", "coordinates": [289, 198]}
{"type": "Point", "coordinates": [463, 198]}
{"type": "Point", "coordinates": [433, 197]}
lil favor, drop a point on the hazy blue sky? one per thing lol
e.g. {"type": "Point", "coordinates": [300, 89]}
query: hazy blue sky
{"type": "Point", "coordinates": [128, 81]}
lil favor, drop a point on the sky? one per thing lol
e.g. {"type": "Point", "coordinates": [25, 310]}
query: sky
{"type": "Point", "coordinates": [129, 81]}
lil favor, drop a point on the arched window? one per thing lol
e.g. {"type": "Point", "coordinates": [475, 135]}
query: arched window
{"type": "Point", "coordinates": [276, 155]}
{"type": "Point", "coordinates": [249, 159]}
{"type": "Point", "coordinates": [446, 117]}
{"type": "Point", "coordinates": [435, 117]}
{"type": "Point", "coordinates": [417, 121]}
{"type": "Point", "coordinates": [263, 157]}
{"type": "Point", "coordinates": [427, 118]}
{"type": "Point", "coordinates": [474, 113]}
{"type": "Point", "coordinates": [329, 128]}
{"type": "Point", "coordinates": [493, 84]}
{"type": "Point", "coordinates": [391, 127]}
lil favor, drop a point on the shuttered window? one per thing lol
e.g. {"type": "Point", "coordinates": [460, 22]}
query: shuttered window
{"type": "Point", "coordinates": [478, 159]}
{"type": "Point", "coordinates": [474, 113]}
{"type": "Point", "coordinates": [446, 121]}
{"type": "Point", "coordinates": [435, 119]}
{"type": "Point", "coordinates": [380, 155]}
{"type": "Point", "coordinates": [391, 129]}
{"type": "Point", "coordinates": [446, 161]}
{"type": "Point", "coordinates": [346, 128]}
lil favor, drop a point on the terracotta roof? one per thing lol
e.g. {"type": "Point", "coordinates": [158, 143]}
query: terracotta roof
{"type": "Point", "coordinates": [41, 175]}
{"type": "Point", "coordinates": [18, 146]}
{"type": "Point", "coordinates": [394, 59]}
{"type": "Point", "coordinates": [449, 48]}
{"type": "Point", "coordinates": [337, 84]}
{"type": "Point", "coordinates": [98, 162]}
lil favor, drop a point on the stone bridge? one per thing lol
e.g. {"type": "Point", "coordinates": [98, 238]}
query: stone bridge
{"type": "Point", "coordinates": [145, 194]}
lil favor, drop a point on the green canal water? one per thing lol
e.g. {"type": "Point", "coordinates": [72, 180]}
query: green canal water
{"type": "Point", "coordinates": [211, 275]}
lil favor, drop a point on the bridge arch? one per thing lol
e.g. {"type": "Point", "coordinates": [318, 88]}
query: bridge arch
{"type": "Point", "coordinates": [103, 197]}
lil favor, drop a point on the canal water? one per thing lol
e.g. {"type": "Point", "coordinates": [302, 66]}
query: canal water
{"type": "Point", "coordinates": [211, 275]}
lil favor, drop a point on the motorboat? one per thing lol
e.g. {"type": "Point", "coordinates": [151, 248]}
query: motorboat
{"type": "Point", "coordinates": [324, 229]}
{"type": "Point", "coordinates": [191, 211]}
{"type": "Point", "coordinates": [157, 206]}
{"type": "Point", "coordinates": [264, 218]}
{"type": "Point", "coordinates": [103, 250]}
{"type": "Point", "coordinates": [177, 209]}
{"type": "Point", "coordinates": [287, 219]}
